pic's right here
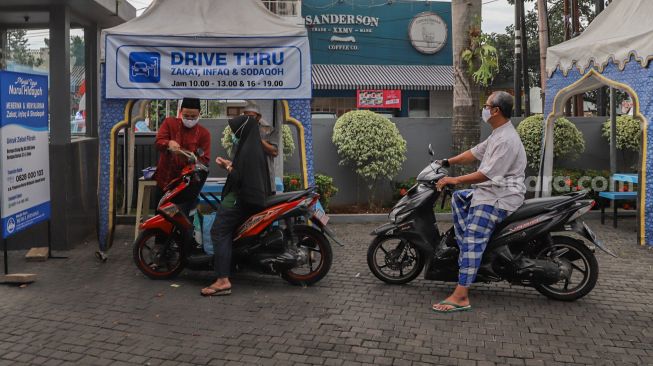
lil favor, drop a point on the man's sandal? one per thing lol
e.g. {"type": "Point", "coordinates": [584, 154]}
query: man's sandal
{"type": "Point", "coordinates": [454, 307]}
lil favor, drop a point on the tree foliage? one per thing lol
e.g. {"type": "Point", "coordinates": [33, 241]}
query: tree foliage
{"type": "Point", "coordinates": [629, 132]}
{"type": "Point", "coordinates": [286, 135]}
{"type": "Point", "coordinates": [17, 48]}
{"type": "Point", "coordinates": [371, 144]}
{"type": "Point", "coordinates": [505, 43]}
{"type": "Point", "coordinates": [568, 141]}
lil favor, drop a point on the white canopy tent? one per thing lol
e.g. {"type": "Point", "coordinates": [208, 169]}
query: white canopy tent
{"type": "Point", "coordinates": [208, 49]}
{"type": "Point", "coordinates": [613, 51]}
{"type": "Point", "coordinates": [179, 46]}
{"type": "Point", "coordinates": [623, 29]}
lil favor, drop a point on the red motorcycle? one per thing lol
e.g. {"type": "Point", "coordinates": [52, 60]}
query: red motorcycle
{"type": "Point", "coordinates": [288, 238]}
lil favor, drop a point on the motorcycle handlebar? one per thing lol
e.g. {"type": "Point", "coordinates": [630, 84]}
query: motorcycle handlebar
{"type": "Point", "coordinates": [188, 154]}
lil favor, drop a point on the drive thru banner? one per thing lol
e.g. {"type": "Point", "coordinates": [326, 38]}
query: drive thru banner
{"type": "Point", "coordinates": [168, 67]}
{"type": "Point", "coordinates": [24, 142]}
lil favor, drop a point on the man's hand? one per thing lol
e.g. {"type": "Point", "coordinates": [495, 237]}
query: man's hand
{"type": "Point", "coordinates": [173, 145]}
{"type": "Point", "coordinates": [446, 181]}
{"type": "Point", "coordinates": [224, 163]}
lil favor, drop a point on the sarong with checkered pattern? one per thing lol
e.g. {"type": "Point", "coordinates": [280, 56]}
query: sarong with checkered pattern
{"type": "Point", "coordinates": [473, 227]}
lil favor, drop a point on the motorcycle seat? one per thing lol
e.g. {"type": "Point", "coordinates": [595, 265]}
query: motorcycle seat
{"type": "Point", "coordinates": [533, 207]}
{"type": "Point", "coordinates": [284, 197]}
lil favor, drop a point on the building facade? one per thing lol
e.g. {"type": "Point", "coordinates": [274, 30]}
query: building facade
{"type": "Point", "coordinates": [364, 50]}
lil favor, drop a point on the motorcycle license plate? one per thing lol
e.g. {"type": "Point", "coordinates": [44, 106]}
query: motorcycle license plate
{"type": "Point", "coordinates": [319, 214]}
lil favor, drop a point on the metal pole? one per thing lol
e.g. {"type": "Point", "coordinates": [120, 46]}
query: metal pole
{"type": "Point", "coordinates": [4, 241]}
{"type": "Point", "coordinates": [565, 12]}
{"type": "Point", "coordinates": [601, 92]}
{"type": "Point", "coordinates": [579, 106]}
{"type": "Point", "coordinates": [613, 134]}
{"type": "Point", "coordinates": [517, 71]}
{"type": "Point", "coordinates": [543, 17]}
{"type": "Point", "coordinates": [524, 62]}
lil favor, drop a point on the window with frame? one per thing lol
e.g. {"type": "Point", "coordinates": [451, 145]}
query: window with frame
{"type": "Point", "coordinates": [418, 107]}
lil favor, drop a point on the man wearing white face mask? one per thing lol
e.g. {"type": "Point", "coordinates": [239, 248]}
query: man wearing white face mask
{"type": "Point", "coordinates": [497, 190]}
{"type": "Point", "coordinates": [180, 133]}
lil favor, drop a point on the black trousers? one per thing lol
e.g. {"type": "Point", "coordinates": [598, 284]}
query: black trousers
{"type": "Point", "coordinates": [226, 222]}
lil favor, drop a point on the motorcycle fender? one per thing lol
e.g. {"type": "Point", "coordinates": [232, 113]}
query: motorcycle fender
{"type": "Point", "coordinates": [326, 231]}
{"type": "Point", "coordinates": [385, 229]}
{"type": "Point", "coordinates": [583, 230]}
{"type": "Point", "coordinates": [157, 222]}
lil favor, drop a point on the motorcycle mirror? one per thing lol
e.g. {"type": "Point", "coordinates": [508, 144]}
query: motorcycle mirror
{"type": "Point", "coordinates": [431, 150]}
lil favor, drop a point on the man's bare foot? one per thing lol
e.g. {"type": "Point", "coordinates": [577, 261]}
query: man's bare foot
{"type": "Point", "coordinates": [219, 287]}
{"type": "Point", "coordinates": [450, 303]}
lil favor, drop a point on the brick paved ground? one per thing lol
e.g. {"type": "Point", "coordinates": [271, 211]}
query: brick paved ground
{"type": "Point", "coordinates": [83, 312]}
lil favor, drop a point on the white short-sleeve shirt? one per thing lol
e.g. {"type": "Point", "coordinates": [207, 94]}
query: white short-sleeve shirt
{"type": "Point", "coordinates": [503, 162]}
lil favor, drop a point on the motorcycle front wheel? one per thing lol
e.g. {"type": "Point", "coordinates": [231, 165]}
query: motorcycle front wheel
{"type": "Point", "coordinates": [584, 269]}
{"type": "Point", "coordinates": [394, 260]}
{"type": "Point", "coordinates": [158, 259]}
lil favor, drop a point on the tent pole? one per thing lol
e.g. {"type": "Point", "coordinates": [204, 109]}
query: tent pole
{"type": "Point", "coordinates": [613, 135]}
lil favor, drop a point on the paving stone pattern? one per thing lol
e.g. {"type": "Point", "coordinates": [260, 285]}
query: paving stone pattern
{"type": "Point", "coordinates": [82, 312]}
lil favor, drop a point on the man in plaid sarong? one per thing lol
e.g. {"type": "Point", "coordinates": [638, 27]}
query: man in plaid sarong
{"type": "Point", "coordinates": [497, 190]}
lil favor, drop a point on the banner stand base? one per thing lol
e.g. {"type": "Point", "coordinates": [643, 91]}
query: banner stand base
{"type": "Point", "coordinates": [18, 278]}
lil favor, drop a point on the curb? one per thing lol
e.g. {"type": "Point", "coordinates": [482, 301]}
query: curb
{"type": "Point", "coordinates": [373, 218]}
{"type": "Point", "coordinates": [383, 218]}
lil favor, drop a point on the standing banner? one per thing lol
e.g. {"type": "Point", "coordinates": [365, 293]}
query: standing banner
{"type": "Point", "coordinates": [378, 99]}
{"type": "Point", "coordinates": [24, 142]}
{"type": "Point", "coordinates": [168, 67]}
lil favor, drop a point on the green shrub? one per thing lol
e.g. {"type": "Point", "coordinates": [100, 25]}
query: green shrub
{"type": "Point", "coordinates": [568, 141]}
{"type": "Point", "coordinates": [371, 144]}
{"type": "Point", "coordinates": [324, 183]}
{"type": "Point", "coordinates": [571, 181]}
{"type": "Point", "coordinates": [629, 133]}
{"type": "Point", "coordinates": [286, 135]}
{"type": "Point", "coordinates": [325, 188]}
{"type": "Point", "coordinates": [401, 187]}
{"type": "Point", "coordinates": [292, 182]}
{"type": "Point", "coordinates": [288, 142]}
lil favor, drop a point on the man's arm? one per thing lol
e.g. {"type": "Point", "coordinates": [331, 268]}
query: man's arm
{"type": "Point", "coordinates": [463, 159]}
{"type": "Point", "coordinates": [270, 149]}
{"type": "Point", "coordinates": [163, 138]}
{"type": "Point", "coordinates": [472, 178]}
{"type": "Point", "coordinates": [205, 144]}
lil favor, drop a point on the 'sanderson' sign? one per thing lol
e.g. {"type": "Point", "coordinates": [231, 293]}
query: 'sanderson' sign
{"type": "Point", "coordinates": [211, 68]}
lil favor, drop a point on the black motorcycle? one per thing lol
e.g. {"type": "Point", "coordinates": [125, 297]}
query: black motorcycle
{"type": "Point", "coordinates": [523, 249]}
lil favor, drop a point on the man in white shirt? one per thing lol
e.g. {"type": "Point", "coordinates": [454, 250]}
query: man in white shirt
{"type": "Point", "coordinates": [498, 190]}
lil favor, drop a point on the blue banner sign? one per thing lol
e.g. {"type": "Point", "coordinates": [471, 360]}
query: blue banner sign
{"type": "Point", "coordinates": [25, 171]}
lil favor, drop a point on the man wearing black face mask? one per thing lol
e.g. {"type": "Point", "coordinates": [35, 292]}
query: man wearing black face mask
{"type": "Point", "coordinates": [498, 190]}
{"type": "Point", "coordinates": [244, 194]}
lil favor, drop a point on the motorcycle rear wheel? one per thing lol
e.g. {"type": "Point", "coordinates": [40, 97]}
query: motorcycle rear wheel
{"type": "Point", "coordinates": [396, 257]}
{"type": "Point", "coordinates": [320, 257]}
{"type": "Point", "coordinates": [146, 250]}
{"type": "Point", "coordinates": [585, 269]}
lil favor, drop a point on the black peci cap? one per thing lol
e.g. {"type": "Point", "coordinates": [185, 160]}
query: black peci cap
{"type": "Point", "coordinates": [191, 103]}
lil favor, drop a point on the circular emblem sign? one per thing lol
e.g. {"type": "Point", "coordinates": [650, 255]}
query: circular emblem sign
{"type": "Point", "coordinates": [427, 33]}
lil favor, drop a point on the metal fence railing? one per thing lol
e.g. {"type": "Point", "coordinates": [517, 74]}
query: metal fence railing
{"type": "Point", "coordinates": [284, 8]}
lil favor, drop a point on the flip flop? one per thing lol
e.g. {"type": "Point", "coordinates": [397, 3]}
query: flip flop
{"type": "Point", "coordinates": [455, 307]}
{"type": "Point", "coordinates": [216, 292]}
